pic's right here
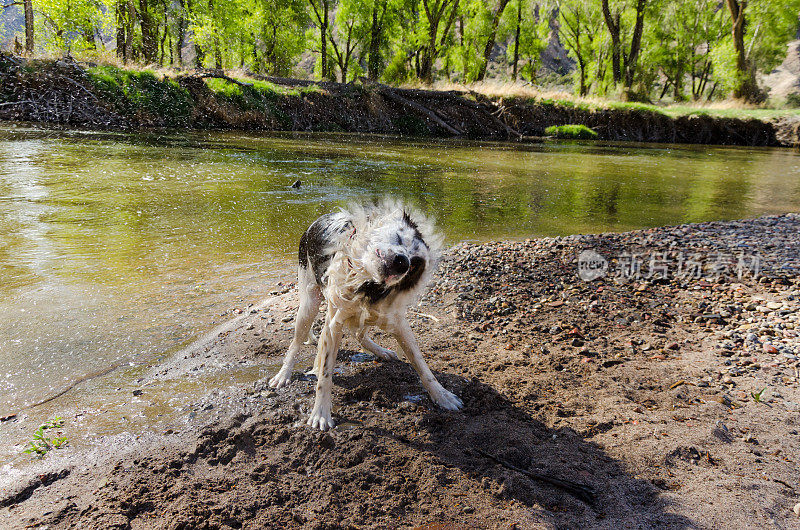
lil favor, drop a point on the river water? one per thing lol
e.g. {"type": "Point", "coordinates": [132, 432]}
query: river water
{"type": "Point", "coordinates": [117, 249]}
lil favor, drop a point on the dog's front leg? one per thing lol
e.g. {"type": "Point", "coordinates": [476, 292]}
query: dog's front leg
{"type": "Point", "coordinates": [439, 394]}
{"type": "Point", "coordinates": [310, 297]}
{"type": "Point", "coordinates": [328, 347]}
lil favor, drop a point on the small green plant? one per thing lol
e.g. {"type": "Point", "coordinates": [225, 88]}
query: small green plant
{"type": "Point", "coordinates": [793, 100]}
{"type": "Point", "coordinates": [757, 395]}
{"type": "Point", "coordinates": [572, 132]}
{"type": "Point", "coordinates": [42, 443]}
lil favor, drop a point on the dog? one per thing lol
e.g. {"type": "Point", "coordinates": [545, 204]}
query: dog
{"type": "Point", "coordinates": [368, 263]}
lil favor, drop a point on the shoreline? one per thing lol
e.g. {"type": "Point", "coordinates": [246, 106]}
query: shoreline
{"type": "Point", "coordinates": [69, 94]}
{"type": "Point", "coordinates": [643, 389]}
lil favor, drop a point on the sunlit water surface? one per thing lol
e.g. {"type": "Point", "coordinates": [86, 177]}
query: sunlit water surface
{"type": "Point", "coordinates": [117, 249]}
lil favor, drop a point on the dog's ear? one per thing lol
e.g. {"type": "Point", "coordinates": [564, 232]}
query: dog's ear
{"type": "Point", "coordinates": [410, 222]}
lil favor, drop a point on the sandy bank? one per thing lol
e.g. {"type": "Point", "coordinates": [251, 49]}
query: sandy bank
{"type": "Point", "coordinates": [640, 388]}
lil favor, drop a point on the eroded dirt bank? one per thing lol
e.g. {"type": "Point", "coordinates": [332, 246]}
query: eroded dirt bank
{"type": "Point", "coordinates": [644, 390]}
{"type": "Point", "coordinates": [66, 93]}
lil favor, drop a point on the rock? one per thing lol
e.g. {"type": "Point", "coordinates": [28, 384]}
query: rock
{"type": "Point", "coordinates": [769, 348]}
{"type": "Point", "coordinates": [673, 346]}
{"type": "Point", "coordinates": [287, 318]}
{"type": "Point", "coordinates": [774, 305]}
{"type": "Point", "coordinates": [796, 509]}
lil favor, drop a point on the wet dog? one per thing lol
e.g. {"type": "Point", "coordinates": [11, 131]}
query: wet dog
{"type": "Point", "coordinates": [368, 264]}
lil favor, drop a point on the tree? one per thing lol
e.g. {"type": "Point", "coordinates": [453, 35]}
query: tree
{"type": "Point", "coordinates": [27, 6]}
{"type": "Point", "coordinates": [578, 29]}
{"type": "Point", "coordinates": [436, 12]}
{"type": "Point", "coordinates": [624, 61]}
{"type": "Point", "coordinates": [497, 12]}
{"type": "Point", "coordinates": [529, 22]}
{"type": "Point", "coordinates": [321, 17]}
{"type": "Point", "coordinates": [746, 87]}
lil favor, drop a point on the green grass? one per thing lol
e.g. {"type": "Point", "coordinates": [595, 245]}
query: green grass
{"type": "Point", "coordinates": [42, 443]}
{"type": "Point", "coordinates": [571, 132]}
{"type": "Point", "coordinates": [135, 92]}
{"type": "Point", "coordinates": [741, 113]}
{"type": "Point", "coordinates": [253, 95]}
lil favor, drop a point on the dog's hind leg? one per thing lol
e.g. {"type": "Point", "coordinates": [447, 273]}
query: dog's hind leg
{"type": "Point", "coordinates": [376, 349]}
{"type": "Point", "coordinates": [328, 347]}
{"type": "Point", "coordinates": [439, 394]}
{"type": "Point", "coordinates": [310, 297]}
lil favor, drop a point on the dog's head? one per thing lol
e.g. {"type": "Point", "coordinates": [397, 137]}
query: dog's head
{"type": "Point", "coordinates": [387, 249]}
{"type": "Point", "coordinates": [396, 253]}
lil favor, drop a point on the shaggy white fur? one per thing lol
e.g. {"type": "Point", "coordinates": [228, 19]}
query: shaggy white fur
{"type": "Point", "coordinates": [362, 289]}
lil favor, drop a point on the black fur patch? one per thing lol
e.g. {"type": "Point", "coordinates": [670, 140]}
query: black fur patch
{"type": "Point", "coordinates": [374, 292]}
{"type": "Point", "coordinates": [413, 275]}
{"type": "Point", "coordinates": [313, 243]}
{"type": "Point", "coordinates": [410, 222]}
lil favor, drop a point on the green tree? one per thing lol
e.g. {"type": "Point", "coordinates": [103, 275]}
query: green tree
{"type": "Point", "coordinates": [579, 26]}
{"type": "Point", "coordinates": [433, 31]}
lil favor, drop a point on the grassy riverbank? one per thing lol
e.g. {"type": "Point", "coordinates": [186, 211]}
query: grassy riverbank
{"type": "Point", "coordinates": [71, 94]}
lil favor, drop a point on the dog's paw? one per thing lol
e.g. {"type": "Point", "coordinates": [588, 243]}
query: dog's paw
{"type": "Point", "coordinates": [281, 380]}
{"type": "Point", "coordinates": [321, 419]}
{"type": "Point", "coordinates": [447, 400]}
{"type": "Point", "coordinates": [385, 354]}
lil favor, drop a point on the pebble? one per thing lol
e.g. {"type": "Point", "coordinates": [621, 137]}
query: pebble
{"type": "Point", "coordinates": [287, 319]}
{"type": "Point", "coordinates": [796, 509]}
{"type": "Point", "coordinates": [769, 348]}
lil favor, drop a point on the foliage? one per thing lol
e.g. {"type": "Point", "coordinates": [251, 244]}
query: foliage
{"type": "Point", "coordinates": [135, 92]}
{"type": "Point", "coordinates": [571, 132]}
{"type": "Point", "coordinates": [642, 50]}
{"type": "Point", "coordinates": [42, 443]}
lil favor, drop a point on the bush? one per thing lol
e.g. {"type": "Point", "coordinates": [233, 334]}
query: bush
{"type": "Point", "coordinates": [571, 132]}
{"type": "Point", "coordinates": [793, 100]}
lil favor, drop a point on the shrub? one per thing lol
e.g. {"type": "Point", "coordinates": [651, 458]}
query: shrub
{"type": "Point", "coordinates": [571, 132]}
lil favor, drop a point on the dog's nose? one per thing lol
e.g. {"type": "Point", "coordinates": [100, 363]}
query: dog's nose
{"type": "Point", "coordinates": [400, 264]}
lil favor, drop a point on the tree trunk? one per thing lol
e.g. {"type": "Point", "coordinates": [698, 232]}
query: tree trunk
{"type": "Point", "coordinates": [636, 46]}
{"type": "Point", "coordinates": [149, 39]}
{"type": "Point", "coordinates": [428, 55]}
{"type": "Point", "coordinates": [181, 36]}
{"type": "Point", "coordinates": [130, 13]}
{"type": "Point", "coordinates": [487, 50]}
{"type": "Point", "coordinates": [373, 64]}
{"type": "Point", "coordinates": [612, 23]}
{"type": "Point", "coordinates": [746, 86]}
{"type": "Point", "coordinates": [120, 12]}
{"type": "Point", "coordinates": [516, 41]}
{"type": "Point", "coordinates": [27, 6]}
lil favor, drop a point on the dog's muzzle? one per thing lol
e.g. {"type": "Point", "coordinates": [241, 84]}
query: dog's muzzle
{"type": "Point", "coordinates": [393, 265]}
